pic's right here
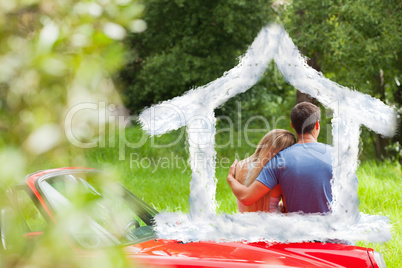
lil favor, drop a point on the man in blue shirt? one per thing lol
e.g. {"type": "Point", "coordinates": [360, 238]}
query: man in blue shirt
{"type": "Point", "coordinates": [304, 170]}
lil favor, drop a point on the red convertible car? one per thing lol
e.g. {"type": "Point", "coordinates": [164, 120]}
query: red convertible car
{"type": "Point", "coordinates": [114, 216]}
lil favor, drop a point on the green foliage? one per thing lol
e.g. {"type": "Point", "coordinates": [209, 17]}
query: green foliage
{"type": "Point", "coordinates": [54, 54]}
{"type": "Point", "coordinates": [187, 44]}
{"type": "Point", "coordinates": [272, 97]}
{"type": "Point", "coordinates": [350, 39]}
{"type": "Point", "coordinates": [356, 44]}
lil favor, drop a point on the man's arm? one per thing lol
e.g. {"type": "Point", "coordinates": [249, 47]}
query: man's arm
{"type": "Point", "coordinates": [246, 195]}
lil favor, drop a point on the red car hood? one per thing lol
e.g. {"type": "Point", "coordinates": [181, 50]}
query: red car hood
{"type": "Point", "coordinates": [211, 254]}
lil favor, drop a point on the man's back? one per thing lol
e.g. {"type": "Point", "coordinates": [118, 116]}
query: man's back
{"type": "Point", "coordinates": [304, 172]}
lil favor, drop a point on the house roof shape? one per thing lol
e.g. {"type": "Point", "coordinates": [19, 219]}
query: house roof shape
{"type": "Point", "coordinates": [352, 109]}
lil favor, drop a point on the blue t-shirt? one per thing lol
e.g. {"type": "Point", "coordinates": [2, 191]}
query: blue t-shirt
{"type": "Point", "coordinates": [304, 172]}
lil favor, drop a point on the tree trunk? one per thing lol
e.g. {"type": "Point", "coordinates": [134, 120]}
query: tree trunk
{"type": "Point", "coordinates": [300, 97]}
{"type": "Point", "coordinates": [398, 137]}
{"type": "Point", "coordinates": [380, 142]}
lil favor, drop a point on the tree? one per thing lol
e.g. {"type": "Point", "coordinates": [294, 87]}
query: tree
{"type": "Point", "coordinates": [188, 43]}
{"type": "Point", "coordinates": [355, 43]}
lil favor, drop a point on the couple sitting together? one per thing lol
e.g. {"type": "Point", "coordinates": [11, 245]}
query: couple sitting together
{"type": "Point", "coordinates": [299, 172]}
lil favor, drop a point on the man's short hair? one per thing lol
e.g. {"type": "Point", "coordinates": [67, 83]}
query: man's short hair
{"type": "Point", "coordinates": [304, 116]}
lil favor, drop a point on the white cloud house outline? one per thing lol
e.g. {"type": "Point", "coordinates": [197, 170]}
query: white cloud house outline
{"type": "Point", "coordinates": [195, 109]}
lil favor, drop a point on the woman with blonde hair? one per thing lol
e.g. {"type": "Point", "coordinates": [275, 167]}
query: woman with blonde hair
{"type": "Point", "coordinates": [248, 169]}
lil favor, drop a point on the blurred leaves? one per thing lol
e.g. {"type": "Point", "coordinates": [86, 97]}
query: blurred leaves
{"type": "Point", "coordinates": [55, 54]}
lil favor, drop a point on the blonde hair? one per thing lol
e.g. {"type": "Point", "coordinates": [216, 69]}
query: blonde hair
{"type": "Point", "coordinates": [272, 143]}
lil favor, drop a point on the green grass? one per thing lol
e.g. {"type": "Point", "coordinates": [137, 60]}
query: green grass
{"type": "Point", "coordinates": [166, 186]}
{"type": "Point", "coordinates": [380, 193]}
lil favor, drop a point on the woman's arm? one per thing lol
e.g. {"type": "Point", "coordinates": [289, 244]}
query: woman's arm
{"type": "Point", "coordinates": [274, 200]}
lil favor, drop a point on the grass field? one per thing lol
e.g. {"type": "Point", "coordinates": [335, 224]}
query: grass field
{"type": "Point", "coordinates": [161, 177]}
{"type": "Point", "coordinates": [380, 193]}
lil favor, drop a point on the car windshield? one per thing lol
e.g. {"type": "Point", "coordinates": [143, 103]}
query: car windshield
{"type": "Point", "coordinates": [96, 212]}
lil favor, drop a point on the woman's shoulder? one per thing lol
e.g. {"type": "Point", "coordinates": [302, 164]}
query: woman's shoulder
{"type": "Point", "coordinates": [242, 169]}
